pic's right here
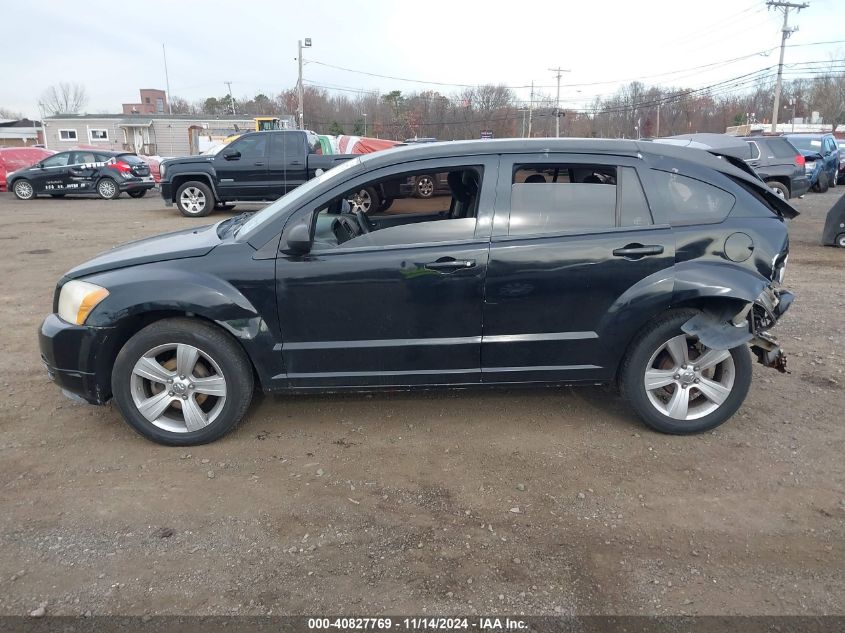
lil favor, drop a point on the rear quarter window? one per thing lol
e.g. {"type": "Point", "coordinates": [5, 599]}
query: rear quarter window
{"type": "Point", "coordinates": [691, 201]}
{"type": "Point", "coordinates": [781, 148]}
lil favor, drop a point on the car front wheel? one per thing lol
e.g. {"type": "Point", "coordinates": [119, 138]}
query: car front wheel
{"type": "Point", "coordinates": [194, 199]}
{"type": "Point", "coordinates": [182, 382]}
{"type": "Point", "coordinates": [23, 190]}
{"type": "Point", "coordinates": [678, 385]}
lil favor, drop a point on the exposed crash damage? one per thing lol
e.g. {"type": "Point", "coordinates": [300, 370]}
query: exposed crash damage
{"type": "Point", "coordinates": [725, 328]}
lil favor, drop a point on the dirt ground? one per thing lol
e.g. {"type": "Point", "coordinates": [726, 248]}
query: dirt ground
{"type": "Point", "coordinates": [518, 501]}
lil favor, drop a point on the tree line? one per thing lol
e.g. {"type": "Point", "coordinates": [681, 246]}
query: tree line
{"type": "Point", "coordinates": [634, 110]}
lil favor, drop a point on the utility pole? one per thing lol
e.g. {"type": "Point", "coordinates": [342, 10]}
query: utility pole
{"type": "Point", "coordinates": [167, 79]}
{"type": "Point", "coordinates": [657, 131]}
{"type": "Point", "coordinates": [786, 31]}
{"type": "Point", "coordinates": [531, 109]}
{"type": "Point", "coordinates": [300, 89]}
{"type": "Point", "coordinates": [558, 70]}
{"type": "Point", "coordinates": [231, 99]}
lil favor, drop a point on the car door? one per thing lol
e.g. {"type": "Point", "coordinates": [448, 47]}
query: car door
{"type": "Point", "coordinates": [400, 306]}
{"type": "Point", "coordinates": [242, 168]}
{"type": "Point", "coordinates": [82, 169]}
{"type": "Point", "coordinates": [287, 163]}
{"type": "Point", "coordinates": [573, 238]}
{"type": "Point", "coordinates": [53, 175]}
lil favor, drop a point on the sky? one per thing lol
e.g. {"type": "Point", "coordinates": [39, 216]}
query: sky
{"type": "Point", "coordinates": [115, 48]}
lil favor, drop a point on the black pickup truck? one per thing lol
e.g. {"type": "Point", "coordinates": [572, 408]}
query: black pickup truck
{"type": "Point", "coordinates": [255, 167]}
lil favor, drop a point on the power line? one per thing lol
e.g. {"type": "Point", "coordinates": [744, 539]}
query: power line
{"type": "Point", "coordinates": [786, 31]}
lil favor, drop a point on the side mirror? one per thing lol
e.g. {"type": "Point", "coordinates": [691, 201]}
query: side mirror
{"type": "Point", "coordinates": [298, 240]}
{"type": "Point", "coordinates": [345, 206]}
{"type": "Point", "coordinates": [815, 156]}
{"type": "Point", "coordinates": [232, 155]}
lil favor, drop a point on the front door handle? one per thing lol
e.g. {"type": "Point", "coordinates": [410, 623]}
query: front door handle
{"type": "Point", "coordinates": [259, 163]}
{"type": "Point", "coordinates": [635, 251]}
{"type": "Point", "coordinates": [449, 265]}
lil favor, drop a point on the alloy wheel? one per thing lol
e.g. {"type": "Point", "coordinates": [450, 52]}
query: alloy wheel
{"type": "Point", "coordinates": [192, 200]}
{"type": "Point", "coordinates": [106, 188]}
{"type": "Point", "coordinates": [23, 190]}
{"type": "Point", "coordinates": [361, 201]}
{"type": "Point", "coordinates": [425, 186]}
{"type": "Point", "coordinates": [685, 380]}
{"type": "Point", "coordinates": [178, 387]}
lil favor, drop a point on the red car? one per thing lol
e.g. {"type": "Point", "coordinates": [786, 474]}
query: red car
{"type": "Point", "coordinates": [14, 158]}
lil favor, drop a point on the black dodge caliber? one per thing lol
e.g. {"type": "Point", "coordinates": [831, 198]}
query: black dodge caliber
{"type": "Point", "coordinates": [553, 262]}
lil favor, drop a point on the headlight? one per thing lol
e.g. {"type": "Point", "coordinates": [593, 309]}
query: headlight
{"type": "Point", "coordinates": [161, 169]}
{"type": "Point", "coordinates": [77, 299]}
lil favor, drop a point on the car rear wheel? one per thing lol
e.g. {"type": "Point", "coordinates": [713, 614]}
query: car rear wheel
{"type": "Point", "coordinates": [182, 382]}
{"type": "Point", "coordinates": [779, 188]}
{"type": "Point", "coordinates": [107, 189]}
{"type": "Point", "coordinates": [822, 185]}
{"type": "Point", "coordinates": [678, 385]}
{"type": "Point", "coordinates": [194, 199]}
{"type": "Point", "coordinates": [138, 193]}
{"type": "Point", "coordinates": [424, 186]}
{"type": "Point", "coordinates": [366, 200]}
{"type": "Point", "coordinates": [23, 190]}
{"type": "Point", "coordinates": [840, 240]}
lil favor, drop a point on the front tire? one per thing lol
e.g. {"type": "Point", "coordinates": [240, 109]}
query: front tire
{"type": "Point", "coordinates": [23, 190]}
{"type": "Point", "coordinates": [194, 199]}
{"type": "Point", "coordinates": [677, 385]}
{"type": "Point", "coordinates": [182, 382]}
{"type": "Point", "coordinates": [107, 189]}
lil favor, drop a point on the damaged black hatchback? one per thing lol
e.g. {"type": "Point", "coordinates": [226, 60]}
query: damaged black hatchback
{"type": "Point", "coordinates": [554, 261]}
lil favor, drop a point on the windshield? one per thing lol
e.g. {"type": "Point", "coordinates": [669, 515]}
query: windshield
{"type": "Point", "coordinates": [297, 196]}
{"type": "Point", "coordinates": [806, 143]}
{"type": "Point", "coordinates": [211, 151]}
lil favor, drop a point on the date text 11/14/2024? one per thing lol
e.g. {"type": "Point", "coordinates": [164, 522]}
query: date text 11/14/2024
{"type": "Point", "coordinates": [418, 623]}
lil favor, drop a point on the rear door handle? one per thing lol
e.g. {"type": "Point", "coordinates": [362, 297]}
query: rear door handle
{"type": "Point", "coordinates": [259, 163]}
{"type": "Point", "coordinates": [449, 265]}
{"type": "Point", "coordinates": [295, 162]}
{"type": "Point", "coordinates": [638, 250]}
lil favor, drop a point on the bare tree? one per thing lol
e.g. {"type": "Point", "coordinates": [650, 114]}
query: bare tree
{"type": "Point", "coordinates": [6, 113]}
{"type": "Point", "coordinates": [64, 98]}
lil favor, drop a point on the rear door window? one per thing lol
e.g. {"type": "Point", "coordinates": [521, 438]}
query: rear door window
{"type": "Point", "coordinates": [556, 198]}
{"type": "Point", "coordinates": [691, 201]}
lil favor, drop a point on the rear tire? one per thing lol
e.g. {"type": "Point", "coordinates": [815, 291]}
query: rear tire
{"type": "Point", "coordinates": [779, 188]}
{"type": "Point", "coordinates": [840, 240]}
{"type": "Point", "coordinates": [699, 399]}
{"type": "Point", "coordinates": [424, 186]}
{"type": "Point", "coordinates": [203, 406]}
{"type": "Point", "coordinates": [194, 199]}
{"type": "Point", "coordinates": [23, 190]}
{"type": "Point", "coordinates": [107, 189]}
{"type": "Point", "coordinates": [138, 193]}
{"type": "Point", "coordinates": [822, 185]}
{"type": "Point", "coordinates": [366, 200]}
{"type": "Point", "coordinates": [385, 204]}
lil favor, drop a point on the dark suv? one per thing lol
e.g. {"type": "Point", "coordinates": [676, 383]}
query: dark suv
{"type": "Point", "coordinates": [83, 171]}
{"type": "Point", "coordinates": [553, 262]}
{"type": "Point", "coordinates": [779, 164]}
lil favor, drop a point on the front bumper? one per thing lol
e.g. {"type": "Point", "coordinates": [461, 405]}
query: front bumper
{"type": "Point", "coordinates": [70, 355]}
{"type": "Point", "coordinates": [166, 192]}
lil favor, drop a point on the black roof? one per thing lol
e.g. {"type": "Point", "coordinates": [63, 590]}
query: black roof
{"type": "Point", "coordinates": [624, 147]}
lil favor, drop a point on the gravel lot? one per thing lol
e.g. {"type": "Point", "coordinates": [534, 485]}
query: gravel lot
{"type": "Point", "coordinates": [518, 501]}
